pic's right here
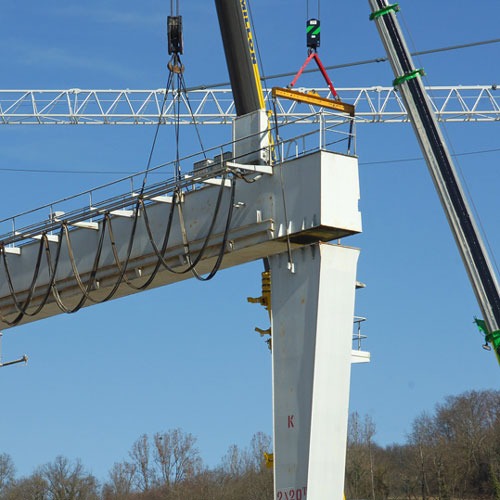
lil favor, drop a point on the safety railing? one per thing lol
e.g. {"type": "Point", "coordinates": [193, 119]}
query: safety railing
{"type": "Point", "coordinates": [320, 132]}
{"type": "Point", "coordinates": [358, 337]}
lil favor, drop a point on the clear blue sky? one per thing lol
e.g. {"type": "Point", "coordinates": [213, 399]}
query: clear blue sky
{"type": "Point", "coordinates": [186, 355]}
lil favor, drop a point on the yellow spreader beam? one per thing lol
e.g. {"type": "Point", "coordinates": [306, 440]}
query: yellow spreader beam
{"type": "Point", "coordinates": [315, 100]}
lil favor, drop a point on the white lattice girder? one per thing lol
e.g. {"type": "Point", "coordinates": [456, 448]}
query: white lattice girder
{"type": "Point", "coordinates": [478, 103]}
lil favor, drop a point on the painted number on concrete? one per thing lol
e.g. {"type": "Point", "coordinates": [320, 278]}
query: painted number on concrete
{"type": "Point", "coordinates": [292, 494]}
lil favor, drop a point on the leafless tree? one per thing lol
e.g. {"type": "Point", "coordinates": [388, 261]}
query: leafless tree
{"type": "Point", "coordinates": [34, 487]}
{"type": "Point", "coordinates": [140, 455]}
{"type": "Point", "coordinates": [121, 481]}
{"type": "Point", "coordinates": [68, 481]}
{"type": "Point", "coordinates": [7, 471]}
{"type": "Point", "coordinates": [175, 456]}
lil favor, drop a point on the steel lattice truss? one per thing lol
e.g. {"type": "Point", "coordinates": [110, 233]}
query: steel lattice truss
{"type": "Point", "coordinates": [215, 106]}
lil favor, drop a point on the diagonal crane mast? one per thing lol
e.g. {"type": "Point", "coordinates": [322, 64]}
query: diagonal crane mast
{"type": "Point", "coordinates": [443, 172]}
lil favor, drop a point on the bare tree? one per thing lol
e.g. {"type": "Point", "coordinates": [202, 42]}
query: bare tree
{"type": "Point", "coordinates": [140, 454]}
{"type": "Point", "coordinates": [176, 456]}
{"type": "Point", "coordinates": [235, 462]}
{"type": "Point", "coordinates": [260, 443]}
{"type": "Point", "coordinates": [121, 481]}
{"type": "Point", "coordinates": [368, 433]}
{"type": "Point", "coordinates": [68, 481]}
{"type": "Point", "coordinates": [34, 487]}
{"type": "Point", "coordinates": [7, 471]}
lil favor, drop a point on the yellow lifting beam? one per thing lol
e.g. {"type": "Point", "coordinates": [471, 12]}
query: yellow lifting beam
{"type": "Point", "coordinates": [314, 99]}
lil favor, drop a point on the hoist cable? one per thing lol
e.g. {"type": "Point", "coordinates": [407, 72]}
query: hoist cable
{"type": "Point", "coordinates": [162, 110]}
{"type": "Point", "coordinates": [359, 63]}
{"type": "Point", "coordinates": [188, 102]}
{"type": "Point", "coordinates": [282, 184]}
{"type": "Point", "coordinates": [85, 288]}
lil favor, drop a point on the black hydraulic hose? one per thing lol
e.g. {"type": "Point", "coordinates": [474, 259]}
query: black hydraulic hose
{"type": "Point", "coordinates": [187, 255]}
{"type": "Point", "coordinates": [22, 307]}
{"type": "Point", "coordinates": [85, 289]}
{"type": "Point", "coordinates": [220, 257]}
{"type": "Point", "coordinates": [41, 305]}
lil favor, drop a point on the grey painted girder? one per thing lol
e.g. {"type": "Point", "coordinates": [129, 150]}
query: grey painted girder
{"type": "Point", "coordinates": [322, 193]}
{"type": "Point", "coordinates": [478, 103]}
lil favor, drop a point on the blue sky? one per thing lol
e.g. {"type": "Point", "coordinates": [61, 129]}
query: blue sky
{"type": "Point", "coordinates": [186, 355]}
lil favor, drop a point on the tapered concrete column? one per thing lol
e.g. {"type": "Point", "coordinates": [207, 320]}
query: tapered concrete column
{"type": "Point", "coordinates": [312, 321]}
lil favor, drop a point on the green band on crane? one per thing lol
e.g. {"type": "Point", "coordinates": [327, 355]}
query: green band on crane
{"type": "Point", "coordinates": [409, 76]}
{"type": "Point", "coordinates": [384, 11]}
{"type": "Point", "coordinates": [310, 28]}
{"type": "Point", "coordinates": [490, 338]}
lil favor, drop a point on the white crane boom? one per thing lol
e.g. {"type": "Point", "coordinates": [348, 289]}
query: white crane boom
{"type": "Point", "coordinates": [478, 103]}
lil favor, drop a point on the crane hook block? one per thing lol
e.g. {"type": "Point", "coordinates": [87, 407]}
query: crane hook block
{"type": "Point", "coordinates": [174, 30]}
{"type": "Point", "coordinates": [313, 31]}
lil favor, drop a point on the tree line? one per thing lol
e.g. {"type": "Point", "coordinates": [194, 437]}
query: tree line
{"type": "Point", "coordinates": [451, 453]}
{"type": "Point", "coordinates": [164, 466]}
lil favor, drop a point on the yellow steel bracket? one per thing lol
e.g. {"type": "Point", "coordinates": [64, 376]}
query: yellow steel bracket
{"type": "Point", "coordinates": [265, 301]}
{"type": "Point", "coordinates": [269, 457]}
{"type": "Point", "coordinates": [314, 99]}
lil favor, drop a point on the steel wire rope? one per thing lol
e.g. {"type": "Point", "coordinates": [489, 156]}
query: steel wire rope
{"type": "Point", "coordinates": [187, 255]}
{"type": "Point", "coordinates": [167, 87]}
{"type": "Point", "coordinates": [22, 307]}
{"type": "Point", "coordinates": [282, 183]}
{"type": "Point", "coordinates": [452, 147]}
{"type": "Point", "coordinates": [361, 63]}
{"type": "Point", "coordinates": [85, 289]}
{"type": "Point", "coordinates": [24, 312]}
{"type": "Point", "coordinates": [123, 270]}
{"type": "Point", "coordinates": [220, 257]}
{"type": "Point", "coordinates": [181, 86]}
{"type": "Point", "coordinates": [91, 281]}
{"type": "Point", "coordinates": [188, 102]}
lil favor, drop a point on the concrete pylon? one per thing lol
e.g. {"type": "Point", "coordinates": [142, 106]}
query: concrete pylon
{"type": "Point", "coordinates": [312, 323]}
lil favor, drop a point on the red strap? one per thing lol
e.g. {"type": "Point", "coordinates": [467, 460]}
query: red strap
{"type": "Point", "coordinates": [325, 75]}
{"type": "Point", "coordinates": [308, 60]}
{"type": "Point", "coordinates": [315, 56]}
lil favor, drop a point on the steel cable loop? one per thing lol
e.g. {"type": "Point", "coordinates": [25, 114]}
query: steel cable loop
{"type": "Point", "coordinates": [158, 263]}
{"type": "Point", "coordinates": [85, 289]}
{"type": "Point", "coordinates": [52, 265]}
{"type": "Point", "coordinates": [129, 252]}
{"type": "Point", "coordinates": [41, 305]}
{"type": "Point", "coordinates": [144, 180]}
{"type": "Point", "coordinates": [22, 307]}
{"type": "Point", "coordinates": [73, 263]}
{"type": "Point", "coordinates": [187, 254]}
{"type": "Point", "coordinates": [224, 239]}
